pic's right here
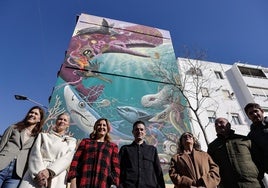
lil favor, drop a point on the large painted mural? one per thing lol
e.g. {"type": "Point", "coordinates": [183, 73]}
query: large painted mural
{"type": "Point", "coordinates": [123, 72]}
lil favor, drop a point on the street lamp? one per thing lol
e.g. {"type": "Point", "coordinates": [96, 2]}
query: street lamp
{"type": "Point", "coordinates": [21, 97]}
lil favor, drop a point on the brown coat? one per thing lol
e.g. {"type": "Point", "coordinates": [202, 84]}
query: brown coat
{"type": "Point", "coordinates": [183, 171]}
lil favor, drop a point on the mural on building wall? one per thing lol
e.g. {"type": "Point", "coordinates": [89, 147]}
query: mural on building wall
{"type": "Point", "coordinates": [123, 72]}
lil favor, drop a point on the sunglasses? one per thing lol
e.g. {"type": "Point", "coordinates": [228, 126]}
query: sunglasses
{"type": "Point", "coordinates": [187, 135]}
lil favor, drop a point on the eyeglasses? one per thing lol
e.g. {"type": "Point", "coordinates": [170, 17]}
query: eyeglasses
{"type": "Point", "coordinates": [187, 135]}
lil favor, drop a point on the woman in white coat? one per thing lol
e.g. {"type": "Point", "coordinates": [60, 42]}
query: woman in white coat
{"type": "Point", "coordinates": [50, 157]}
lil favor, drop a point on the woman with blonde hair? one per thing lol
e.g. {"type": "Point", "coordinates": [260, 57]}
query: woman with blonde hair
{"type": "Point", "coordinates": [192, 167]}
{"type": "Point", "coordinates": [50, 157]}
{"type": "Point", "coordinates": [96, 161]}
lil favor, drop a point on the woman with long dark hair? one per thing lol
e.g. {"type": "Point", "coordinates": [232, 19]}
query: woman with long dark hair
{"type": "Point", "coordinates": [15, 145]}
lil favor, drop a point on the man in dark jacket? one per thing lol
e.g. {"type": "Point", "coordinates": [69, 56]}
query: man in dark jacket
{"type": "Point", "coordinates": [258, 130]}
{"type": "Point", "coordinates": [235, 155]}
{"type": "Point", "coordinates": [139, 162]}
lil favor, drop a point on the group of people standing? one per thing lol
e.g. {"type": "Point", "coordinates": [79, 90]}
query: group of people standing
{"type": "Point", "coordinates": [242, 159]}
{"type": "Point", "coordinates": [231, 161]}
{"type": "Point", "coordinates": [31, 158]}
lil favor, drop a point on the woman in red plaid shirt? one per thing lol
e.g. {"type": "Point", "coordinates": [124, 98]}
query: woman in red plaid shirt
{"type": "Point", "coordinates": [96, 161]}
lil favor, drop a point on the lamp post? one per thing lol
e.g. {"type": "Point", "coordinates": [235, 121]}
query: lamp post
{"type": "Point", "coordinates": [21, 97]}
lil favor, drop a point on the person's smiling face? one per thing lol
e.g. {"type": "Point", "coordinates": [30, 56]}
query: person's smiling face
{"type": "Point", "coordinates": [33, 116]}
{"type": "Point", "coordinates": [62, 123]}
{"type": "Point", "coordinates": [255, 115]}
{"type": "Point", "coordinates": [102, 128]}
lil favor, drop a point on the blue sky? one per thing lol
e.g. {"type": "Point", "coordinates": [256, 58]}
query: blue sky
{"type": "Point", "coordinates": [35, 34]}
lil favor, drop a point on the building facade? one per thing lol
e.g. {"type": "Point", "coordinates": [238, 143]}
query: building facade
{"type": "Point", "coordinates": [221, 90]}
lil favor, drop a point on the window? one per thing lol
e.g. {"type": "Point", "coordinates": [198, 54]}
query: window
{"type": "Point", "coordinates": [226, 94]}
{"type": "Point", "coordinates": [204, 92]}
{"type": "Point", "coordinates": [218, 74]}
{"type": "Point", "coordinates": [245, 71]}
{"type": "Point", "coordinates": [194, 71]}
{"type": "Point", "coordinates": [258, 92]}
{"type": "Point", "coordinates": [211, 116]}
{"type": "Point", "coordinates": [236, 119]}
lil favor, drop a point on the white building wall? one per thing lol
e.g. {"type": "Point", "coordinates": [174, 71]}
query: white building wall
{"type": "Point", "coordinates": [247, 84]}
{"type": "Point", "coordinates": [224, 106]}
{"type": "Point", "coordinates": [239, 85]}
{"type": "Point", "coordinates": [241, 88]}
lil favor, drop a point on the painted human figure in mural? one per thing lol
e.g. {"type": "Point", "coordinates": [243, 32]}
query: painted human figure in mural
{"type": "Point", "coordinates": [139, 162]}
{"type": "Point", "coordinates": [96, 161]}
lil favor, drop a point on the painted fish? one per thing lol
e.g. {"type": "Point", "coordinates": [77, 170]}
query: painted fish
{"type": "Point", "coordinates": [94, 41]}
{"type": "Point", "coordinates": [84, 116]}
{"type": "Point", "coordinates": [81, 113]}
{"type": "Point", "coordinates": [132, 114]}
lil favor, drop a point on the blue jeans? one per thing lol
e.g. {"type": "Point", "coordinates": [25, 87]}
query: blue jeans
{"type": "Point", "coordinates": [7, 179]}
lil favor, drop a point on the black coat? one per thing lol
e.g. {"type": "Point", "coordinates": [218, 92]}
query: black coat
{"type": "Point", "coordinates": [140, 167]}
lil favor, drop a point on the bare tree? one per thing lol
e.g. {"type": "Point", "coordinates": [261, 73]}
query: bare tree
{"type": "Point", "coordinates": [191, 83]}
{"type": "Point", "coordinates": [189, 87]}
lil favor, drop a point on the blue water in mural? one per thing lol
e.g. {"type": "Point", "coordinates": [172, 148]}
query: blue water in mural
{"type": "Point", "coordinates": [130, 84]}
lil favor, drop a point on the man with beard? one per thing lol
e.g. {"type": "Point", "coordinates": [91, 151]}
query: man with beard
{"type": "Point", "coordinates": [258, 130]}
